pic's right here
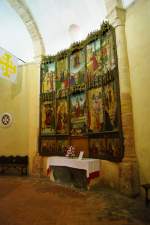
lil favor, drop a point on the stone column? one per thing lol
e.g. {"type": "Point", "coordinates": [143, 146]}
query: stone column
{"type": "Point", "coordinates": [33, 84]}
{"type": "Point", "coordinates": [128, 170]}
{"type": "Point", "coordinates": [117, 19]}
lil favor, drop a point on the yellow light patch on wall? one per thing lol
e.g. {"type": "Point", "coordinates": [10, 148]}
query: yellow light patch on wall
{"type": "Point", "coordinates": [8, 65]}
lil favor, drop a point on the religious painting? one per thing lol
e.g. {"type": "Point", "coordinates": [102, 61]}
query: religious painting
{"type": "Point", "coordinates": [62, 116]}
{"type": "Point", "coordinates": [95, 111]}
{"type": "Point", "coordinates": [62, 146]}
{"type": "Point", "coordinates": [77, 69]}
{"type": "Point", "coordinates": [94, 64]}
{"type": "Point", "coordinates": [47, 118]}
{"type": "Point", "coordinates": [48, 146]}
{"type": "Point", "coordinates": [108, 52]}
{"type": "Point", "coordinates": [97, 147]}
{"type": "Point", "coordinates": [113, 148]}
{"type": "Point", "coordinates": [78, 114]}
{"type": "Point", "coordinates": [110, 107]}
{"type": "Point", "coordinates": [62, 78]}
{"type": "Point", "coordinates": [48, 77]}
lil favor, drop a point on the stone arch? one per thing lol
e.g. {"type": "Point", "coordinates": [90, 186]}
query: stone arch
{"type": "Point", "coordinates": [25, 14]}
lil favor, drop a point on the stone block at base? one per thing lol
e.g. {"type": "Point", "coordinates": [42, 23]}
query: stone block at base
{"type": "Point", "coordinates": [72, 177]}
{"type": "Point", "coordinates": [122, 176]}
{"type": "Point", "coordinates": [129, 183]}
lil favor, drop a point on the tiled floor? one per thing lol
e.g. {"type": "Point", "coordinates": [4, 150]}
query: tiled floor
{"type": "Point", "coordinates": [33, 201]}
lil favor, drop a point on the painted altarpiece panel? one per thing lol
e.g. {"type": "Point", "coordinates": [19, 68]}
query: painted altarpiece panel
{"type": "Point", "coordinates": [95, 111]}
{"type": "Point", "coordinates": [105, 148]}
{"type": "Point", "coordinates": [113, 148]}
{"type": "Point", "coordinates": [62, 116]}
{"type": "Point", "coordinates": [48, 77]}
{"type": "Point", "coordinates": [62, 78]}
{"type": "Point", "coordinates": [78, 114]}
{"type": "Point", "coordinates": [77, 70]}
{"type": "Point", "coordinates": [108, 52]}
{"type": "Point", "coordinates": [62, 146]}
{"type": "Point", "coordinates": [48, 146]}
{"type": "Point", "coordinates": [80, 144]}
{"type": "Point", "coordinates": [97, 147]}
{"type": "Point", "coordinates": [94, 63]}
{"type": "Point", "coordinates": [47, 118]}
{"type": "Point", "coordinates": [110, 107]}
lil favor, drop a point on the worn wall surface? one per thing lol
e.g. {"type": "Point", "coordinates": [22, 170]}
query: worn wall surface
{"type": "Point", "coordinates": [138, 44]}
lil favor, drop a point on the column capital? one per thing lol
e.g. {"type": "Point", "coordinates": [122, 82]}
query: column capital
{"type": "Point", "coordinates": [117, 16]}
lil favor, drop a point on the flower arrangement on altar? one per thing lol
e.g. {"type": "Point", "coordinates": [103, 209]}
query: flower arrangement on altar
{"type": "Point", "coordinates": [70, 152]}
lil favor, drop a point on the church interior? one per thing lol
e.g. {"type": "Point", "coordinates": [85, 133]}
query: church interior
{"type": "Point", "coordinates": [74, 112]}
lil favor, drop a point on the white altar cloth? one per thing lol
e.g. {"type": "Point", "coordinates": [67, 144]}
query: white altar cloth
{"type": "Point", "coordinates": [90, 165]}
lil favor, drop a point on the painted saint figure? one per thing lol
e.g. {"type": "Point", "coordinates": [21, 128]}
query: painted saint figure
{"type": "Point", "coordinates": [110, 107]}
{"type": "Point", "coordinates": [62, 117]}
{"type": "Point", "coordinates": [48, 118]}
{"type": "Point", "coordinates": [95, 110]}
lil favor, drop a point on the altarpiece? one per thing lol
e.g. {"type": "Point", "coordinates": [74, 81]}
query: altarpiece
{"type": "Point", "coordinates": [80, 99]}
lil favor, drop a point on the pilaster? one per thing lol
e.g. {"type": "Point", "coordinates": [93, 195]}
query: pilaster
{"type": "Point", "coordinates": [128, 169]}
{"type": "Point", "coordinates": [117, 18]}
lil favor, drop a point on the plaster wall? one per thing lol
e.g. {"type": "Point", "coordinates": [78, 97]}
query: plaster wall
{"type": "Point", "coordinates": [14, 139]}
{"type": "Point", "coordinates": [138, 44]}
{"type": "Point", "coordinates": [21, 100]}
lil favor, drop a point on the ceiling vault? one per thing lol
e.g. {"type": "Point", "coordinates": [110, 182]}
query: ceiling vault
{"type": "Point", "coordinates": [25, 14]}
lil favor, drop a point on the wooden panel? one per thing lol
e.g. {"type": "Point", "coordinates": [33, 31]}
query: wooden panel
{"type": "Point", "coordinates": [80, 144]}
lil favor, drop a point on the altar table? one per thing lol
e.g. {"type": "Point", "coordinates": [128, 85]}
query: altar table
{"type": "Point", "coordinates": [87, 168]}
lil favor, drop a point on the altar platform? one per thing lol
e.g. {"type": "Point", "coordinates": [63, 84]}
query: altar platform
{"type": "Point", "coordinates": [81, 173]}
